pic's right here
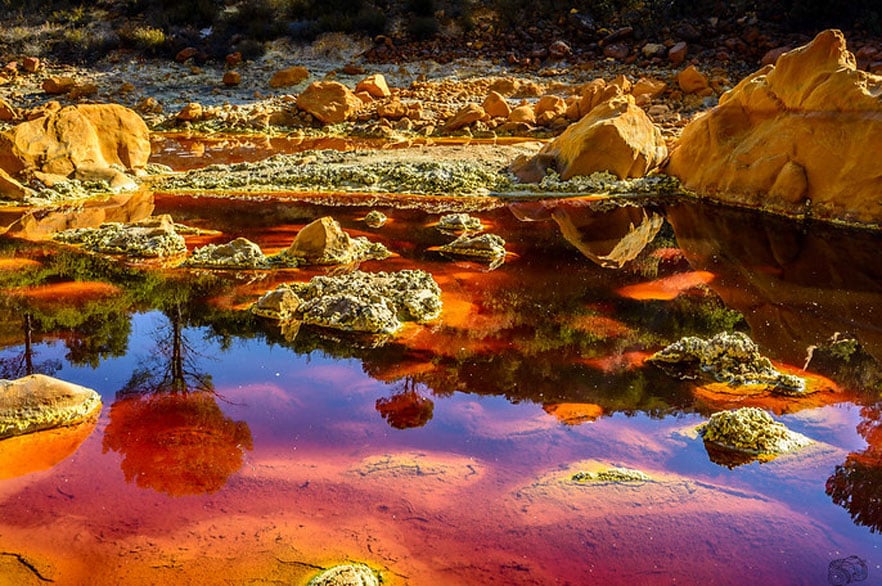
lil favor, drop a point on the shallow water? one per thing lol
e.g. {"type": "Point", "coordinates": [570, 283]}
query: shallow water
{"type": "Point", "coordinates": [233, 450]}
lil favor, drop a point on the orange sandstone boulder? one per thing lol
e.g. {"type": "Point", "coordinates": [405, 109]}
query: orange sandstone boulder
{"type": "Point", "coordinates": [288, 77]}
{"type": "Point", "coordinates": [496, 106]}
{"type": "Point", "coordinates": [616, 136]}
{"type": "Point", "coordinates": [800, 138]}
{"type": "Point", "coordinates": [85, 141]}
{"type": "Point", "coordinates": [375, 85]}
{"type": "Point", "coordinates": [692, 81]}
{"type": "Point", "coordinates": [468, 114]}
{"type": "Point", "coordinates": [331, 102]}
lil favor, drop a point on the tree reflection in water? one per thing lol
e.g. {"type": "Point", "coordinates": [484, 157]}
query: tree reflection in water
{"type": "Point", "coordinates": [856, 485]}
{"type": "Point", "coordinates": [406, 408]}
{"type": "Point", "coordinates": [23, 364]}
{"type": "Point", "coordinates": [167, 425]}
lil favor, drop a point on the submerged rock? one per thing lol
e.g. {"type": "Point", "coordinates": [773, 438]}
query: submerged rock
{"type": "Point", "coordinates": [488, 247]}
{"type": "Point", "coordinates": [459, 223]}
{"type": "Point", "coordinates": [375, 219]}
{"type": "Point", "coordinates": [323, 242]}
{"type": "Point", "coordinates": [346, 575]}
{"type": "Point", "coordinates": [731, 358]}
{"type": "Point", "coordinates": [39, 402]}
{"type": "Point", "coordinates": [612, 475]}
{"type": "Point", "coordinates": [240, 253]}
{"type": "Point", "coordinates": [373, 303]}
{"type": "Point", "coordinates": [751, 431]}
{"type": "Point", "coordinates": [153, 237]}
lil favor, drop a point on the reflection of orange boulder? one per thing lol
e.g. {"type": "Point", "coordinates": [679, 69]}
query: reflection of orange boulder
{"type": "Point", "coordinates": [573, 413]}
{"type": "Point", "coordinates": [798, 137]}
{"type": "Point", "coordinates": [42, 450]}
{"type": "Point", "coordinates": [176, 443]}
{"type": "Point", "coordinates": [615, 136]}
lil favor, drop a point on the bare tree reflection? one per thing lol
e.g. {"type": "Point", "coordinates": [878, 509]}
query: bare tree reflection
{"type": "Point", "coordinates": [856, 485]}
{"type": "Point", "coordinates": [23, 364]}
{"type": "Point", "coordinates": [168, 426]}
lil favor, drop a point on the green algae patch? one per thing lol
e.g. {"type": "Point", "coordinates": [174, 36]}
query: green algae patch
{"type": "Point", "coordinates": [751, 432]}
{"type": "Point", "coordinates": [349, 574]}
{"type": "Point", "coordinates": [731, 358]}
{"type": "Point", "coordinates": [611, 475]}
{"type": "Point", "coordinates": [39, 402]}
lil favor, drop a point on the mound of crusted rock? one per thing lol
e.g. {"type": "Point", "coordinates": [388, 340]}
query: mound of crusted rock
{"type": "Point", "coordinates": [39, 402]}
{"type": "Point", "coordinates": [371, 303]}
{"type": "Point", "coordinates": [752, 432]}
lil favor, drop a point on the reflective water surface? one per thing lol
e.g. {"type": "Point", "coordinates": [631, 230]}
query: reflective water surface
{"type": "Point", "coordinates": [231, 449]}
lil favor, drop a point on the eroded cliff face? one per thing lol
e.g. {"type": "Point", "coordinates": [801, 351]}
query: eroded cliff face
{"type": "Point", "coordinates": [799, 138]}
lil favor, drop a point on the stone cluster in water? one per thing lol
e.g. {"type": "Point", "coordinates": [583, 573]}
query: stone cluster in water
{"type": "Point", "coordinates": [237, 254]}
{"type": "Point", "coordinates": [155, 237]}
{"type": "Point", "coordinates": [732, 358]}
{"type": "Point", "coordinates": [372, 303]}
{"type": "Point", "coordinates": [752, 431]}
{"type": "Point", "coordinates": [459, 223]}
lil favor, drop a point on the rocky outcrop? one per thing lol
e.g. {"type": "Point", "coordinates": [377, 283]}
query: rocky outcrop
{"type": "Point", "coordinates": [799, 138]}
{"type": "Point", "coordinates": [323, 242]}
{"type": "Point", "coordinates": [240, 253]}
{"type": "Point", "coordinates": [731, 358]}
{"type": "Point", "coordinates": [750, 433]}
{"type": "Point", "coordinates": [615, 136]}
{"type": "Point", "coordinates": [39, 402]}
{"type": "Point", "coordinates": [369, 303]}
{"type": "Point", "coordinates": [330, 102]}
{"type": "Point", "coordinates": [154, 237]}
{"type": "Point", "coordinates": [87, 142]}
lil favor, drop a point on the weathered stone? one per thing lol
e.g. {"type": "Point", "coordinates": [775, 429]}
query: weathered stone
{"type": "Point", "coordinates": [392, 110]}
{"type": "Point", "coordinates": [186, 53]}
{"type": "Point", "coordinates": [375, 219]}
{"type": "Point", "coordinates": [57, 85]}
{"type": "Point", "coordinates": [612, 475]}
{"type": "Point", "coordinates": [731, 358]}
{"type": "Point", "coordinates": [751, 431]}
{"type": "Point", "coordinates": [12, 189]}
{"type": "Point", "coordinates": [82, 90]}
{"type": "Point", "coordinates": [232, 78]}
{"type": "Point", "coordinates": [487, 247]}
{"type": "Point", "coordinates": [31, 64]}
{"type": "Point", "coordinates": [616, 136]}
{"type": "Point", "coordinates": [375, 303]}
{"type": "Point", "coordinates": [289, 77]}
{"type": "Point", "coordinates": [468, 114]}
{"type": "Point", "coordinates": [192, 112]}
{"type": "Point", "coordinates": [39, 402]}
{"type": "Point", "coordinates": [330, 102]}
{"type": "Point", "coordinates": [651, 88]}
{"type": "Point", "coordinates": [346, 575]}
{"type": "Point", "coordinates": [554, 105]}
{"type": "Point", "coordinates": [281, 303]}
{"type": "Point", "coordinates": [677, 53]}
{"type": "Point", "coordinates": [375, 85]}
{"type": "Point", "coordinates": [240, 253]}
{"type": "Point", "coordinates": [692, 81]}
{"type": "Point", "coordinates": [798, 138]}
{"type": "Point", "coordinates": [459, 223]}
{"type": "Point", "coordinates": [323, 242]}
{"type": "Point", "coordinates": [597, 92]}
{"type": "Point", "coordinates": [523, 115]}
{"type": "Point", "coordinates": [496, 106]}
{"type": "Point", "coordinates": [77, 139]}
{"type": "Point", "coordinates": [8, 112]}
{"type": "Point", "coordinates": [154, 237]}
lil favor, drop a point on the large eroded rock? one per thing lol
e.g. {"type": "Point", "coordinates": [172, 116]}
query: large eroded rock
{"type": "Point", "coordinates": [801, 137]}
{"type": "Point", "coordinates": [88, 142]}
{"type": "Point", "coordinates": [39, 402]}
{"type": "Point", "coordinates": [329, 101]}
{"type": "Point", "coordinates": [615, 136]}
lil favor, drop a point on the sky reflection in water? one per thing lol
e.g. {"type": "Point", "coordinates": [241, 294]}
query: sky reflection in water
{"type": "Point", "coordinates": [227, 448]}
